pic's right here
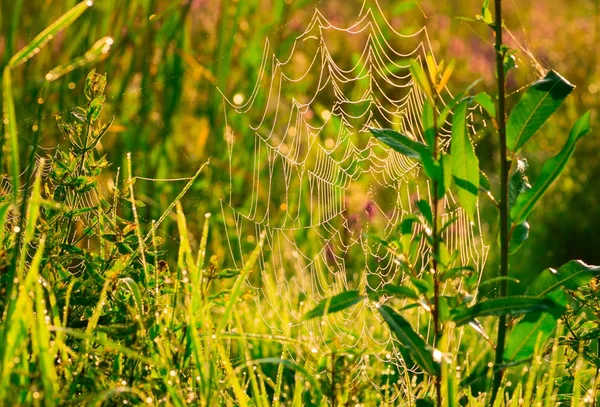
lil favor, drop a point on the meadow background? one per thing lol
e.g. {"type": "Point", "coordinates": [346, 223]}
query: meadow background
{"type": "Point", "coordinates": [168, 58]}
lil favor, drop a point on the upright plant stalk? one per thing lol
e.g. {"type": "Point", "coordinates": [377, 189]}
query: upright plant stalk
{"type": "Point", "coordinates": [504, 168]}
{"type": "Point", "coordinates": [436, 241]}
{"type": "Point", "coordinates": [436, 247]}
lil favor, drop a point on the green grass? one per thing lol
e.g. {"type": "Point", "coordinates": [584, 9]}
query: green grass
{"type": "Point", "coordinates": [115, 289]}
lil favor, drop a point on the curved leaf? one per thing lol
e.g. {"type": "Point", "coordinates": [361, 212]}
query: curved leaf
{"type": "Point", "coordinates": [400, 291]}
{"type": "Point", "coordinates": [485, 101]}
{"type": "Point", "coordinates": [465, 165]}
{"type": "Point", "coordinates": [42, 38]}
{"type": "Point", "coordinates": [333, 304]}
{"type": "Point", "coordinates": [571, 275]}
{"type": "Point", "coordinates": [550, 171]}
{"type": "Point", "coordinates": [535, 107]}
{"type": "Point", "coordinates": [419, 76]}
{"type": "Point", "coordinates": [416, 345]}
{"type": "Point", "coordinates": [518, 236]}
{"type": "Point", "coordinates": [401, 143]}
{"type": "Point", "coordinates": [132, 287]}
{"type": "Point", "coordinates": [292, 365]}
{"type": "Point", "coordinates": [514, 305]}
{"type": "Point", "coordinates": [534, 329]}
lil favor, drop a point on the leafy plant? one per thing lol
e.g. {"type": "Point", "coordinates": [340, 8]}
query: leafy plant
{"type": "Point", "coordinates": [543, 303]}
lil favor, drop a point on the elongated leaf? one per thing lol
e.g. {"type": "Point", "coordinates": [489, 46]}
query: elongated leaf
{"type": "Point", "coordinates": [484, 182]}
{"type": "Point", "coordinates": [571, 275]}
{"type": "Point", "coordinates": [425, 210]}
{"type": "Point", "coordinates": [519, 182]}
{"type": "Point", "coordinates": [550, 171]}
{"type": "Point", "coordinates": [41, 339]}
{"type": "Point", "coordinates": [401, 143]}
{"type": "Point", "coordinates": [519, 235]}
{"type": "Point", "coordinates": [400, 291]}
{"type": "Point", "coordinates": [421, 352]}
{"type": "Point", "coordinates": [420, 77]}
{"type": "Point", "coordinates": [292, 365]}
{"type": "Point", "coordinates": [446, 178]}
{"type": "Point", "coordinates": [446, 76]}
{"type": "Point", "coordinates": [98, 50]}
{"type": "Point", "coordinates": [534, 328]}
{"type": "Point", "coordinates": [465, 165]}
{"type": "Point", "coordinates": [486, 14]}
{"type": "Point", "coordinates": [485, 101]}
{"type": "Point", "coordinates": [237, 288]}
{"type": "Point", "coordinates": [33, 209]}
{"type": "Point", "coordinates": [4, 210]}
{"type": "Point", "coordinates": [538, 103]}
{"type": "Point", "coordinates": [428, 124]}
{"type": "Point", "coordinates": [334, 304]}
{"type": "Point", "coordinates": [50, 32]}
{"type": "Point", "coordinates": [514, 305]}
{"type": "Point", "coordinates": [453, 103]}
{"type": "Point", "coordinates": [416, 150]}
{"type": "Point", "coordinates": [134, 290]}
{"type": "Point", "coordinates": [9, 118]}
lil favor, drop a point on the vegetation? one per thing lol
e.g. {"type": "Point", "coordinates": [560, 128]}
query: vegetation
{"type": "Point", "coordinates": [117, 288]}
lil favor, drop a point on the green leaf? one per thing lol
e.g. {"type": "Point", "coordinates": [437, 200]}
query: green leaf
{"type": "Point", "coordinates": [95, 108]}
{"type": "Point", "coordinates": [227, 273]}
{"type": "Point", "coordinates": [424, 286]}
{"type": "Point", "coordinates": [333, 304]}
{"type": "Point", "coordinates": [519, 235]}
{"type": "Point", "coordinates": [33, 210]}
{"type": "Point", "coordinates": [454, 102]}
{"type": "Point", "coordinates": [411, 148]}
{"type": "Point", "coordinates": [509, 61]}
{"type": "Point", "coordinates": [400, 291]}
{"type": "Point", "coordinates": [98, 50]}
{"type": "Point", "coordinates": [424, 402]}
{"type": "Point", "coordinates": [538, 103]}
{"type": "Point", "coordinates": [465, 165]}
{"type": "Point", "coordinates": [485, 101]}
{"type": "Point", "coordinates": [425, 210]}
{"type": "Point", "coordinates": [420, 77]}
{"type": "Point", "coordinates": [401, 143]}
{"type": "Point", "coordinates": [550, 171]}
{"type": "Point", "coordinates": [446, 178]}
{"type": "Point", "coordinates": [519, 182]}
{"type": "Point", "coordinates": [421, 352]}
{"type": "Point", "coordinates": [486, 14]}
{"type": "Point", "coordinates": [428, 124]}
{"type": "Point", "coordinates": [484, 182]}
{"type": "Point", "coordinates": [132, 287]}
{"type": "Point", "coordinates": [513, 305]}
{"type": "Point", "coordinates": [571, 275]}
{"type": "Point", "coordinates": [9, 118]}
{"type": "Point", "coordinates": [50, 32]}
{"type": "Point", "coordinates": [314, 383]}
{"type": "Point", "coordinates": [534, 329]}
{"type": "Point", "coordinates": [240, 281]}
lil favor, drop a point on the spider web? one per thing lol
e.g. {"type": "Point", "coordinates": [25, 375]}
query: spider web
{"type": "Point", "coordinates": [317, 184]}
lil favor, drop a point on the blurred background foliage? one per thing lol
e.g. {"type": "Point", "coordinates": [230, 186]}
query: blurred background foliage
{"type": "Point", "coordinates": [168, 61]}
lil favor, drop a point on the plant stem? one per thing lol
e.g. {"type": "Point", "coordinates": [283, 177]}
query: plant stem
{"type": "Point", "coordinates": [504, 167]}
{"type": "Point", "coordinates": [333, 393]}
{"type": "Point", "coordinates": [436, 249]}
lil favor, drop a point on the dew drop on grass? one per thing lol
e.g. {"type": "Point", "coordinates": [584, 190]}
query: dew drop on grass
{"type": "Point", "coordinates": [238, 99]}
{"type": "Point", "coordinates": [89, 3]}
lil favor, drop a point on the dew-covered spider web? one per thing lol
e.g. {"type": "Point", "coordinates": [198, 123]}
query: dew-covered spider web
{"type": "Point", "coordinates": [317, 184]}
